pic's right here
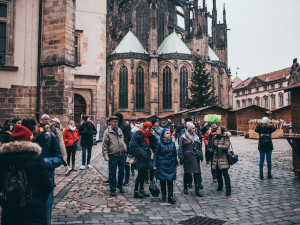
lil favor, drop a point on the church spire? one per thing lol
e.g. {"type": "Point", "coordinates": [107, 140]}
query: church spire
{"type": "Point", "coordinates": [224, 15]}
{"type": "Point", "coordinates": [214, 13]}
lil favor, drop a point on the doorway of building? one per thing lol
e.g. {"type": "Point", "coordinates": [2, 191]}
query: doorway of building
{"type": "Point", "coordinates": [79, 108]}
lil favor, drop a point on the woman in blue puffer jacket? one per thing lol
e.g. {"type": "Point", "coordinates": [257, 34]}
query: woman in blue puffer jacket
{"type": "Point", "coordinates": [165, 163]}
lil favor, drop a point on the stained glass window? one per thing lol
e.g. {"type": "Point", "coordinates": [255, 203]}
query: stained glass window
{"type": "Point", "coordinates": [183, 86]}
{"type": "Point", "coordinates": [142, 23]}
{"type": "Point", "coordinates": [140, 99]}
{"type": "Point", "coordinates": [123, 87]}
{"type": "Point", "coordinates": [167, 88]}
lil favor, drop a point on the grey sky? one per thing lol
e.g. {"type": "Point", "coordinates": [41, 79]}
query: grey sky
{"type": "Point", "coordinates": [264, 35]}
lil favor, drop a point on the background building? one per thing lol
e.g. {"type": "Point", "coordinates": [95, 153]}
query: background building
{"type": "Point", "coordinates": [150, 58]}
{"type": "Point", "coordinates": [263, 90]}
{"type": "Point", "coordinates": [52, 58]}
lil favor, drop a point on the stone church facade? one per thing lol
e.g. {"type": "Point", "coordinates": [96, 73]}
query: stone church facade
{"type": "Point", "coordinates": [150, 58]}
{"type": "Point", "coordinates": [52, 58]}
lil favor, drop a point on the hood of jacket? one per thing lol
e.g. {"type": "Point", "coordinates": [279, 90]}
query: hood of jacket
{"type": "Point", "coordinates": [20, 146]}
{"type": "Point", "coordinates": [120, 116]}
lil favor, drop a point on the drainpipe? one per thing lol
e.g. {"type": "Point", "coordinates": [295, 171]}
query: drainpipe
{"type": "Point", "coordinates": [38, 80]}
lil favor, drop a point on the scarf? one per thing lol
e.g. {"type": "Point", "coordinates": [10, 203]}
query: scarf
{"type": "Point", "coordinates": [192, 137]}
{"type": "Point", "coordinates": [146, 135]}
{"type": "Point", "coordinates": [72, 128]}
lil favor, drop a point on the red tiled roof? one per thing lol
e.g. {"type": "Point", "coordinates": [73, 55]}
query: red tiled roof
{"type": "Point", "coordinates": [236, 81]}
{"type": "Point", "coordinates": [276, 75]}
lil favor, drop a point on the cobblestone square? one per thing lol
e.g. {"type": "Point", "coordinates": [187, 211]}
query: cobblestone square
{"type": "Point", "coordinates": [83, 197]}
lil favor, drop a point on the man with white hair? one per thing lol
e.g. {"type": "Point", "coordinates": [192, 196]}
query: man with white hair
{"type": "Point", "coordinates": [265, 145]}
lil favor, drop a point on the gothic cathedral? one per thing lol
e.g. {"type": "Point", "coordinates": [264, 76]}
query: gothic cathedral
{"type": "Point", "coordinates": [150, 57]}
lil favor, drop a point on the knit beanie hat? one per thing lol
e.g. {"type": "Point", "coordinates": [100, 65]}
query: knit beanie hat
{"type": "Point", "coordinates": [163, 132]}
{"type": "Point", "coordinates": [188, 119]}
{"type": "Point", "coordinates": [190, 126]}
{"type": "Point", "coordinates": [22, 133]}
{"type": "Point", "coordinates": [147, 124]}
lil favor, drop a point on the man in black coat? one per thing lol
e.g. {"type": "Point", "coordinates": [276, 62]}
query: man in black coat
{"type": "Point", "coordinates": [126, 129]}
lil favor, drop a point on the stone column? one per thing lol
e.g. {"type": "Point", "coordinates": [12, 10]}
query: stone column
{"type": "Point", "coordinates": [57, 59]}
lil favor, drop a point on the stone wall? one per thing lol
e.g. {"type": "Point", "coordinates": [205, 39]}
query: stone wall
{"type": "Point", "coordinates": [17, 102]}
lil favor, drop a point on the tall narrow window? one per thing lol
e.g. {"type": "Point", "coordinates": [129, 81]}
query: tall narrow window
{"type": "Point", "coordinates": [140, 96]}
{"type": "Point", "coordinates": [183, 86]}
{"type": "Point", "coordinates": [266, 102]}
{"type": "Point", "coordinates": [142, 23]}
{"type": "Point", "coordinates": [123, 87]}
{"type": "Point", "coordinates": [160, 22]}
{"type": "Point", "coordinates": [3, 19]}
{"type": "Point", "coordinates": [273, 101]}
{"type": "Point", "coordinates": [281, 100]}
{"type": "Point", "coordinates": [167, 88]}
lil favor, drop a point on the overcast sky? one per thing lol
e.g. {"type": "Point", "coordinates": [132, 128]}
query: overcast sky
{"type": "Point", "coordinates": [264, 35]}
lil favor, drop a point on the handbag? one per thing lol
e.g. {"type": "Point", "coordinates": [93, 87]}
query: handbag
{"type": "Point", "coordinates": [154, 190]}
{"type": "Point", "coordinates": [130, 159]}
{"type": "Point", "coordinates": [232, 157]}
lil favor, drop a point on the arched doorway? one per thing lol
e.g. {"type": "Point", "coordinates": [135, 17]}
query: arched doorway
{"type": "Point", "coordinates": [79, 108]}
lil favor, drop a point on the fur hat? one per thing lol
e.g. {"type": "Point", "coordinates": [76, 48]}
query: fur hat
{"type": "Point", "coordinates": [190, 125]}
{"type": "Point", "coordinates": [265, 120]}
{"type": "Point", "coordinates": [22, 133]}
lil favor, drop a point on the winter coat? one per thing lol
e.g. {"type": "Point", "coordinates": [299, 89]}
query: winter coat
{"type": "Point", "coordinates": [50, 152]}
{"type": "Point", "coordinates": [178, 132]}
{"type": "Point", "coordinates": [157, 132]}
{"type": "Point", "coordinates": [220, 144]}
{"type": "Point", "coordinates": [165, 160]}
{"type": "Point", "coordinates": [59, 135]}
{"type": "Point", "coordinates": [70, 137]}
{"type": "Point", "coordinates": [126, 129]}
{"type": "Point", "coordinates": [187, 155]}
{"type": "Point", "coordinates": [87, 130]}
{"type": "Point", "coordinates": [113, 144]}
{"type": "Point", "coordinates": [204, 129]}
{"type": "Point", "coordinates": [268, 130]}
{"type": "Point", "coordinates": [141, 150]}
{"type": "Point", "coordinates": [26, 156]}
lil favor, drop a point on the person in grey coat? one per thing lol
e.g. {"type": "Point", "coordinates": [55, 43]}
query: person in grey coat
{"type": "Point", "coordinates": [189, 145]}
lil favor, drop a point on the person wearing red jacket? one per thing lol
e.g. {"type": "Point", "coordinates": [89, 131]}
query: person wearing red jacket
{"type": "Point", "coordinates": [208, 154]}
{"type": "Point", "coordinates": [71, 138]}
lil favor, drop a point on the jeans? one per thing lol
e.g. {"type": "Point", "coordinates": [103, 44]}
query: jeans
{"type": "Point", "coordinates": [163, 188]}
{"type": "Point", "coordinates": [225, 174]}
{"type": "Point", "coordinates": [140, 179]}
{"type": "Point", "coordinates": [48, 208]}
{"type": "Point", "coordinates": [113, 163]}
{"type": "Point", "coordinates": [71, 151]}
{"type": "Point", "coordinates": [268, 155]}
{"type": "Point", "coordinates": [84, 154]}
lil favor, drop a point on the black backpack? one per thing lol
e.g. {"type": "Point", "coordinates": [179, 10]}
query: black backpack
{"type": "Point", "coordinates": [15, 190]}
{"type": "Point", "coordinates": [265, 140]}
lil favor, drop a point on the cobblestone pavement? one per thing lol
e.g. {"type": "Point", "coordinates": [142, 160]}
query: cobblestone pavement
{"type": "Point", "coordinates": [83, 198]}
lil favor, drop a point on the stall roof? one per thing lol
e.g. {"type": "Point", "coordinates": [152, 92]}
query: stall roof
{"type": "Point", "coordinates": [282, 108]}
{"type": "Point", "coordinates": [250, 106]}
{"type": "Point", "coordinates": [207, 107]}
{"type": "Point", "coordinates": [183, 111]}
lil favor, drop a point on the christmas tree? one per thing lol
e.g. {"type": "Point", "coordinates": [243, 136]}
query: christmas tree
{"type": "Point", "coordinates": [202, 94]}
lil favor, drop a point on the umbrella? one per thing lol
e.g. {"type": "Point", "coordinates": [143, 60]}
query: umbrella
{"type": "Point", "coordinates": [213, 118]}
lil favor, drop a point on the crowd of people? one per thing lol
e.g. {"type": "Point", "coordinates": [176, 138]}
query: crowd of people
{"type": "Point", "coordinates": [31, 152]}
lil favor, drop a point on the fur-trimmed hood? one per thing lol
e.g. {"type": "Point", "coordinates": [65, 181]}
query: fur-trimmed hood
{"type": "Point", "coordinates": [20, 146]}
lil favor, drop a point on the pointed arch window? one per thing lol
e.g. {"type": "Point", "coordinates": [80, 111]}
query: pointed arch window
{"type": "Point", "coordinates": [142, 22]}
{"type": "Point", "coordinates": [160, 22]}
{"type": "Point", "coordinates": [183, 86]}
{"type": "Point", "coordinates": [140, 96]}
{"type": "Point", "coordinates": [123, 87]}
{"type": "Point", "coordinates": [167, 88]}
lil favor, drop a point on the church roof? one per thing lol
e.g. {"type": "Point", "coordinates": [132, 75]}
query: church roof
{"type": "Point", "coordinates": [173, 44]}
{"type": "Point", "coordinates": [212, 55]}
{"type": "Point", "coordinates": [236, 81]}
{"type": "Point", "coordinates": [130, 43]}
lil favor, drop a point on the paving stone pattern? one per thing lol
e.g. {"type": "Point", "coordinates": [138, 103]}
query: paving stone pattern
{"type": "Point", "coordinates": [83, 197]}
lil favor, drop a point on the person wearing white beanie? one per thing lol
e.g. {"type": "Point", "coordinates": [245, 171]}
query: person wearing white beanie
{"type": "Point", "coordinates": [265, 145]}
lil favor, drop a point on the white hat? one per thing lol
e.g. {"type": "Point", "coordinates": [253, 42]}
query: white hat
{"type": "Point", "coordinates": [265, 120]}
{"type": "Point", "coordinates": [56, 120]}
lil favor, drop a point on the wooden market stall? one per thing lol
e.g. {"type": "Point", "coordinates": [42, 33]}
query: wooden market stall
{"type": "Point", "coordinates": [181, 114]}
{"type": "Point", "coordinates": [294, 139]}
{"type": "Point", "coordinates": [238, 119]}
{"type": "Point", "coordinates": [201, 112]}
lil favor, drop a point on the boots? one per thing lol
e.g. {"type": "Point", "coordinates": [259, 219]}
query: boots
{"type": "Point", "coordinates": [172, 200]}
{"type": "Point", "coordinates": [269, 175]}
{"type": "Point", "coordinates": [137, 194]}
{"type": "Point", "coordinates": [261, 175]}
{"type": "Point", "coordinates": [164, 198]}
{"type": "Point", "coordinates": [197, 185]}
{"type": "Point", "coordinates": [197, 191]}
{"type": "Point", "coordinates": [73, 168]}
{"type": "Point", "coordinates": [185, 185]}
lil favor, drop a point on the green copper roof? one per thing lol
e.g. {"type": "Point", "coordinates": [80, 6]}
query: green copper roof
{"type": "Point", "coordinates": [130, 43]}
{"type": "Point", "coordinates": [212, 55]}
{"type": "Point", "coordinates": [173, 44]}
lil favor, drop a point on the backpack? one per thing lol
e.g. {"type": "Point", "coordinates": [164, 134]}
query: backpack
{"type": "Point", "coordinates": [15, 190]}
{"type": "Point", "coordinates": [265, 140]}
